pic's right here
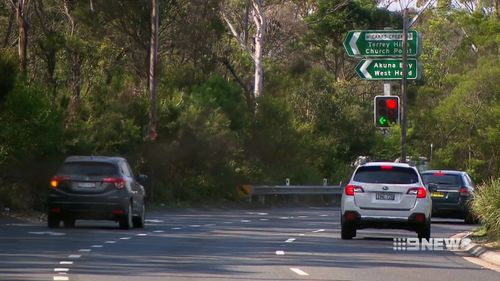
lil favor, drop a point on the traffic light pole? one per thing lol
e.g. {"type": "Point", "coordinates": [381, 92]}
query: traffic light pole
{"type": "Point", "coordinates": [403, 86]}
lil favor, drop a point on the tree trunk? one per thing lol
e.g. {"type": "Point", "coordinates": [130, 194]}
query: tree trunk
{"type": "Point", "coordinates": [260, 24]}
{"type": "Point", "coordinates": [22, 27]}
{"type": "Point", "coordinates": [9, 31]}
{"type": "Point", "coordinates": [153, 58]}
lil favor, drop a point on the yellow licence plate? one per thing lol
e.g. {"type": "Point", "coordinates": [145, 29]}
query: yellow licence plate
{"type": "Point", "coordinates": [437, 194]}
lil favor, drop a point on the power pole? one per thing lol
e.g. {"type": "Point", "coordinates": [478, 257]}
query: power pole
{"type": "Point", "coordinates": [404, 111]}
{"type": "Point", "coordinates": [153, 59]}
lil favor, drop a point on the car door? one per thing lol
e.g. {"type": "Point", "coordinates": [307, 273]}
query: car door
{"type": "Point", "coordinates": [137, 189]}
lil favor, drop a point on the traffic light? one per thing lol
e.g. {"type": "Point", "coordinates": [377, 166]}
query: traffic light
{"type": "Point", "coordinates": [386, 111]}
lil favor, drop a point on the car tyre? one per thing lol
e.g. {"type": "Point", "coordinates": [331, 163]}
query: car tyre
{"type": "Point", "coordinates": [126, 220]}
{"type": "Point", "coordinates": [53, 221]}
{"type": "Point", "coordinates": [69, 222]}
{"type": "Point", "coordinates": [425, 231]}
{"type": "Point", "coordinates": [139, 220]}
{"type": "Point", "coordinates": [348, 231]}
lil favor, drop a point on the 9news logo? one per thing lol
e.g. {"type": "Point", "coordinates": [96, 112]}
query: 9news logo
{"type": "Point", "coordinates": [432, 244]}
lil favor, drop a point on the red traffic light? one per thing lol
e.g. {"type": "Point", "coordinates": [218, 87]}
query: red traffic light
{"type": "Point", "coordinates": [391, 103]}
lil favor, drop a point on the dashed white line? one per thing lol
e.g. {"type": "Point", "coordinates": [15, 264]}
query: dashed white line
{"type": "Point", "coordinates": [194, 225]}
{"type": "Point", "coordinates": [290, 240]}
{"type": "Point", "coordinates": [110, 242]}
{"type": "Point", "coordinates": [158, 231]}
{"type": "Point", "coordinates": [74, 256]}
{"type": "Point", "coordinates": [298, 271]}
{"type": "Point", "coordinates": [263, 219]}
{"type": "Point", "coordinates": [85, 250]}
{"type": "Point", "coordinates": [58, 269]}
{"type": "Point", "coordinates": [61, 278]}
{"type": "Point", "coordinates": [142, 234]}
{"type": "Point", "coordinates": [176, 228]}
{"type": "Point", "coordinates": [302, 234]}
{"type": "Point", "coordinates": [262, 214]}
{"type": "Point", "coordinates": [245, 220]}
{"type": "Point", "coordinates": [66, 262]}
{"type": "Point", "coordinates": [228, 222]}
{"type": "Point", "coordinates": [323, 215]}
{"type": "Point", "coordinates": [302, 217]}
{"type": "Point", "coordinates": [125, 238]}
{"type": "Point", "coordinates": [96, 246]}
{"type": "Point", "coordinates": [280, 253]}
{"type": "Point", "coordinates": [319, 230]}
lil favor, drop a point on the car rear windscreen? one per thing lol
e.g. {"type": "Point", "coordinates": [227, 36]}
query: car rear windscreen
{"type": "Point", "coordinates": [441, 179]}
{"type": "Point", "coordinates": [386, 174]}
{"type": "Point", "coordinates": [90, 169]}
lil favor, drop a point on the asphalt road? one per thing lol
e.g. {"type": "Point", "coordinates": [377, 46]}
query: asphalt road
{"type": "Point", "coordinates": [266, 244]}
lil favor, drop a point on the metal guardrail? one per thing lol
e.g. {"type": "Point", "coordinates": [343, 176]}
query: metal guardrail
{"type": "Point", "coordinates": [260, 191]}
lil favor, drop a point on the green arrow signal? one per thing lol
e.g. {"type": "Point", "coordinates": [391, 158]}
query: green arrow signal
{"type": "Point", "coordinates": [382, 120]}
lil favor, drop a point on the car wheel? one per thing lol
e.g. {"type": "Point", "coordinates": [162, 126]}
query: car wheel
{"type": "Point", "coordinates": [348, 231]}
{"type": "Point", "coordinates": [126, 220]}
{"type": "Point", "coordinates": [53, 221]}
{"type": "Point", "coordinates": [69, 222]}
{"type": "Point", "coordinates": [139, 220]}
{"type": "Point", "coordinates": [425, 231]}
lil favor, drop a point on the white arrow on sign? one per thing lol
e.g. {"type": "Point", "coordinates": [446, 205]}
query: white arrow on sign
{"type": "Point", "coordinates": [364, 68]}
{"type": "Point", "coordinates": [352, 43]}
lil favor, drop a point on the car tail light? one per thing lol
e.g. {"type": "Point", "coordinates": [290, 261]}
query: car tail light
{"type": "Point", "coordinates": [118, 182]}
{"type": "Point", "coordinates": [351, 189]}
{"type": "Point", "coordinates": [55, 210]}
{"type": "Point", "coordinates": [419, 191]}
{"type": "Point", "coordinates": [464, 191]}
{"type": "Point", "coordinates": [385, 168]}
{"type": "Point", "coordinates": [118, 212]}
{"type": "Point", "coordinates": [438, 174]}
{"type": "Point", "coordinates": [55, 181]}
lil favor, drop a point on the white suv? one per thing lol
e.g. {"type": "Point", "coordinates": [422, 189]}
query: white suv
{"type": "Point", "coordinates": [386, 195]}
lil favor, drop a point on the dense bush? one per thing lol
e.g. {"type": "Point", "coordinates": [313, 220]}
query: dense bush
{"type": "Point", "coordinates": [486, 206]}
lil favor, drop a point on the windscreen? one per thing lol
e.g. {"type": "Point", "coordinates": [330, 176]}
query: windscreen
{"type": "Point", "coordinates": [441, 179]}
{"type": "Point", "coordinates": [90, 169]}
{"type": "Point", "coordinates": [386, 174]}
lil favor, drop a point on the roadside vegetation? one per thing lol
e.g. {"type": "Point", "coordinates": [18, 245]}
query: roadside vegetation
{"type": "Point", "coordinates": [82, 89]}
{"type": "Point", "coordinates": [487, 207]}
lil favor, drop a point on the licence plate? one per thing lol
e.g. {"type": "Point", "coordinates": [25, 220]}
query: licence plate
{"type": "Point", "coordinates": [437, 194]}
{"type": "Point", "coordinates": [384, 196]}
{"type": "Point", "coordinates": [86, 184]}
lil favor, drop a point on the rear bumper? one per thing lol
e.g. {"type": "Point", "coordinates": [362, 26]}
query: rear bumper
{"type": "Point", "coordinates": [456, 208]}
{"type": "Point", "coordinates": [110, 207]}
{"type": "Point", "coordinates": [413, 222]}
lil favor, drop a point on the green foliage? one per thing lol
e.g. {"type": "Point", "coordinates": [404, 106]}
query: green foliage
{"type": "Point", "coordinates": [486, 206]}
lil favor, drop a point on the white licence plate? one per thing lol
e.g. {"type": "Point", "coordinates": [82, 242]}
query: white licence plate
{"type": "Point", "coordinates": [384, 196]}
{"type": "Point", "coordinates": [86, 184]}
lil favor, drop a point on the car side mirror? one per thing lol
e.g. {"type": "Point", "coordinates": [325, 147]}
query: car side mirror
{"type": "Point", "coordinates": [142, 179]}
{"type": "Point", "coordinates": [432, 187]}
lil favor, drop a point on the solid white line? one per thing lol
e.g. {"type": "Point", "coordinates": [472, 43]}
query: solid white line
{"type": "Point", "coordinates": [290, 240]}
{"type": "Point", "coordinates": [74, 256]}
{"type": "Point", "coordinates": [61, 278]}
{"type": "Point", "coordinates": [319, 230]}
{"type": "Point", "coordinates": [280, 253]}
{"type": "Point", "coordinates": [299, 272]}
{"type": "Point", "coordinates": [158, 231]}
{"type": "Point", "coordinates": [65, 262]}
{"type": "Point", "coordinates": [61, 269]}
{"type": "Point", "coordinates": [125, 238]}
{"type": "Point", "coordinates": [110, 242]}
{"type": "Point", "coordinates": [96, 246]}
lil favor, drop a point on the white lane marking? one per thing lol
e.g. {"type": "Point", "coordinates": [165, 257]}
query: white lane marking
{"type": "Point", "coordinates": [262, 214]}
{"type": "Point", "coordinates": [290, 240]}
{"type": "Point", "coordinates": [60, 269]}
{"type": "Point", "coordinates": [51, 233]}
{"type": "Point", "coordinates": [125, 238]}
{"type": "Point", "coordinates": [299, 272]}
{"type": "Point", "coordinates": [228, 222]}
{"type": "Point", "coordinates": [61, 278]}
{"type": "Point", "coordinates": [158, 231]}
{"type": "Point", "coordinates": [302, 217]}
{"type": "Point", "coordinates": [280, 253]}
{"type": "Point", "coordinates": [176, 228]}
{"type": "Point", "coordinates": [85, 250]}
{"type": "Point", "coordinates": [302, 234]}
{"type": "Point", "coordinates": [74, 256]}
{"type": "Point", "coordinates": [96, 246]}
{"type": "Point", "coordinates": [194, 225]}
{"type": "Point", "coordinates": [210, 225]}
{"type": "Point", "coordinates": [319, 230]}
{"type": "Point", "coordinates": [263, 219]}
{"type": "Point", "coordinates": [323, 215]}
{"type": "Point", "coordinates": [154, 220]}
{"type": "Point", "coordinates": [110, 242]}
{"type": "Point", "coordinates": [245, 220]}
{"type": "Point", "coordinates": [142, 234]}
{"type": "Point", "coordinates": [284, 218]}
{"type": "Point", "coordinates": [66, 262]}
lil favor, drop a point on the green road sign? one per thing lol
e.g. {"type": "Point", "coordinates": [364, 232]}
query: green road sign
{"type": "Point", "coordinates": [380, 43]}
{"type": "Point", "coordinates": [386, 69]}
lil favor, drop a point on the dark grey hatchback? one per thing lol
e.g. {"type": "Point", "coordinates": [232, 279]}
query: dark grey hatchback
{"type": "Point", "coordinates": [455, 190]}
{"type": "Point", "coordinates": [96, 187]}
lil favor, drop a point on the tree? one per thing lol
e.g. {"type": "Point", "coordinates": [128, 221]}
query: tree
{"type": "Point", "coordinates": [19, 9]}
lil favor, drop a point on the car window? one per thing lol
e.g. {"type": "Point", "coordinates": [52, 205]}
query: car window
{"type": "Point", "coordinates": [441, 179]}
{"type": "Point", "coordinates": [88, 169]}
{"type": "Point", "coordinates": [389, 174]}
{"type": "Point", "coordinates": [125, 169]}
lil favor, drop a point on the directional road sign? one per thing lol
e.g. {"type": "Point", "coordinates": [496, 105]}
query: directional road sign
{"type": "Point", "coordinates": [380, 43]}
{"type": "Point", "coordinates": [386, 69]}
